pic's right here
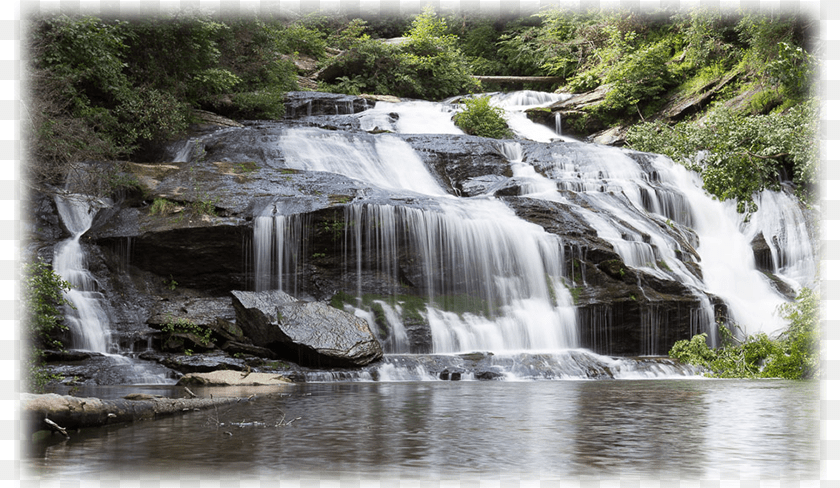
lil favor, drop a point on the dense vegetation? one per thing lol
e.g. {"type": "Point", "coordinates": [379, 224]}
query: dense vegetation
{"type": "Point", "coordinates": [793, 354]}
{"type": "Point", "coordinates": [42, 298]}
{"type": "Point", "coordinates": [107, 89]}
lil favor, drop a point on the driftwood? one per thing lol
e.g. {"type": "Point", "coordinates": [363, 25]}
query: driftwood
{"type": "Point", "coordinates": [520, 79]}
{"type": "Point", "coordinates": [49, 411]}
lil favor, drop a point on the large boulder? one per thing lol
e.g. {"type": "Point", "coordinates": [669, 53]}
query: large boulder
{"type": "Point", "coordinates": [308, 333]}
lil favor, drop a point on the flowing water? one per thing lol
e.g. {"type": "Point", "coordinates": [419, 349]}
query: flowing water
{"type": "Point", "coordinates": [87, 316]}
{"type": "Point", "coordinates": [529, 430]}
{"type": "Point", "coordinates": [653, 212]}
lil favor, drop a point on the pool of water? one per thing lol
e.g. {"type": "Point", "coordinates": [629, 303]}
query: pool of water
{"type": "Point", "coordinates": [637, 429]}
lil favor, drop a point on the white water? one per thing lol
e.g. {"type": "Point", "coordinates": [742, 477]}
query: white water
{"type": "Point", "coordinates": [516, 103]}
{"type": "Point", "coordinates": [654, 213]}
{"type": "Point", "coordinates": [87, 316]}
{"type": "Point", "coordinates": [476, 248]}
{"type": "Point", "coordinates": [87, 319]}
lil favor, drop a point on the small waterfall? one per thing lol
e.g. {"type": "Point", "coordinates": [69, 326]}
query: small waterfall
{"type": "Point", "coordinates": [280, 248]}
{"type": "Point", "coordinates": [782, 222]}
{"type": "Point", "coordinates": [510, 270]}
{"type": "Point", "coordinates": [415, 117]}
{"type": "Point", "coordinates": [558, 123]}
{"type": "Point", "coordinates": [88, 318]}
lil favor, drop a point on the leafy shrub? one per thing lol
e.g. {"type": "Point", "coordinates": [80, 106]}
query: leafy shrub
{"type": "Point", "coordinates": [262, 104]}
{"type": "Point", "coordinates": [639, 77]}
{"type": "Point", "coordinates": [479, 118]}
{"type": "Point", "coordinates": [200, 335]}
{"type": "Point", "coordinates": [793, 355]}
{"type": "Point", "coordinates": [741, 155]}
{"type": "Point", "coordinates": [42, 298]}
{"type": "Point", "coordinates": [427, 66]}
{"type": "Point", "coordinates": [161, 206]}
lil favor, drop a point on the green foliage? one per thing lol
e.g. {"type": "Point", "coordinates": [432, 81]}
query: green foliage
{"type": "Point", "coordinates": [479, 118]}
{"type": "Point", "coordinates": [801, 340]}
{"type": "Point", "coordinates": [741, 154]}
{"type": "Point", "coordinates": [185, 326]}
{"type": "Point", "coordinates": [302, 39]}
{"type": "Point", "coordinates": [428, 65]}
{"type": "Point", "coordinates": [179, 54]}
{"type": "Point", "coordinates": [639, 77]}
{"type": "Point", "coordinates": [42, 297]}
{"type": "Point", "coordinates": [707, 37]}
{"type": "Point", "coordinates": [794, 354]}
{"type": "Point", "coordinates": [793, 70]}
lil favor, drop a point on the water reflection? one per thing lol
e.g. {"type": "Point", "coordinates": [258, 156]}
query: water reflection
{"type": "Point", "coordinates": [693, 429]}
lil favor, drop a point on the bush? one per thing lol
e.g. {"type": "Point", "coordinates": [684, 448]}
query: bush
{"type": "Point", "coordinates": [794, 354]}
{"type": "Point", "coordinates": [639, 78]}
{"type": "Point", "coordinates": [479, 118]}
{"type": "Point", "coordinates": [742, 154]}
{"type": "Point", "coordinates": [42, 298]}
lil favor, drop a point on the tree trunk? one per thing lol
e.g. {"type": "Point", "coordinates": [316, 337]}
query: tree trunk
{"type": "Point", "coordinates": [69, 412]}
{"type": "Point", "coordinates": [520, 79]}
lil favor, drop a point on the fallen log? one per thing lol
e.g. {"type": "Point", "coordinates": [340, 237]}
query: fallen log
{"type": "Point", "coordinates": [48, 411]}
{"type": "Point", "coordinates": [519, 79]}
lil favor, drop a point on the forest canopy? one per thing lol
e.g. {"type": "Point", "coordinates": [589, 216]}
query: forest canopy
{"type": "Point", "coordinates": [108, 89]}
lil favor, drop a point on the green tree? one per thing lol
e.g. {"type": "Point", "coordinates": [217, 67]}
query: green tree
{"type": "Point", "coordinates": [428, 65]}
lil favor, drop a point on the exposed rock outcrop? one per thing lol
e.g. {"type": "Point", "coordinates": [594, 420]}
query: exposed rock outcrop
{"type": "Point", "coordinates": [309, 333]}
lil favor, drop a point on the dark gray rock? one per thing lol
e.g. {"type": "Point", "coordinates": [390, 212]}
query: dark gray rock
{"type": "Point", "coordinates": [308, 333]}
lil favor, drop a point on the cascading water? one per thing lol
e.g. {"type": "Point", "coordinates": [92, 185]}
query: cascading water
{"type": "Point", "coordinates": [510, 269]}
{"type": "Point", "coordinates": [653, 213]}
{"type": "Point", "coordinates": [87, 318]}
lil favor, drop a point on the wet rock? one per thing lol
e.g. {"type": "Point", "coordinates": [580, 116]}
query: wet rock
{"type": "Point", "coordinates": [763, 254]}
{"type": "Point", "coordinates": [308, 333]}
{"type": "Point", "coordinates": [460, 159]}
{"type": "Point", "coordinates": [233, 347]}
{"type": "Point", "coordinates": [488, 375]}
{"type": "Point", "coordinates": [67, 356]}
{"type": "Point", "coordinates": [212, 313]}
{"type": "Point", "coordinates": [196, 363]}
{"type": "Point", "coordinates": [299, 104]}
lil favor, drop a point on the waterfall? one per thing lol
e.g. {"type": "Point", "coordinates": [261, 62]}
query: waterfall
{"type": "Point", "coordinates": [653, 212]}
{"type": "Point", "coordinates": [87, 317]}
{"type": "Point", "coordinates": [510, 270]}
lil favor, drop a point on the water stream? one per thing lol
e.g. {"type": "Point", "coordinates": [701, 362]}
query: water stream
{"type": "Point", "coordinates": [88, 316]}
{"type": "Point", "coordinates": [653, 212]}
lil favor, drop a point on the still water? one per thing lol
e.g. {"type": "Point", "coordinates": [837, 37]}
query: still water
{"type": "Point", "coordinates": [645, 429]}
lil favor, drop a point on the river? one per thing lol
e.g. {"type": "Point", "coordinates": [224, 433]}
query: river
{"type": "Point", "coordinates": [447, 430]}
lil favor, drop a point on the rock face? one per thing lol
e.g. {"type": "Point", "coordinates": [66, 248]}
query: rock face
{"type": "Point", "coordinates": [309, 333]}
